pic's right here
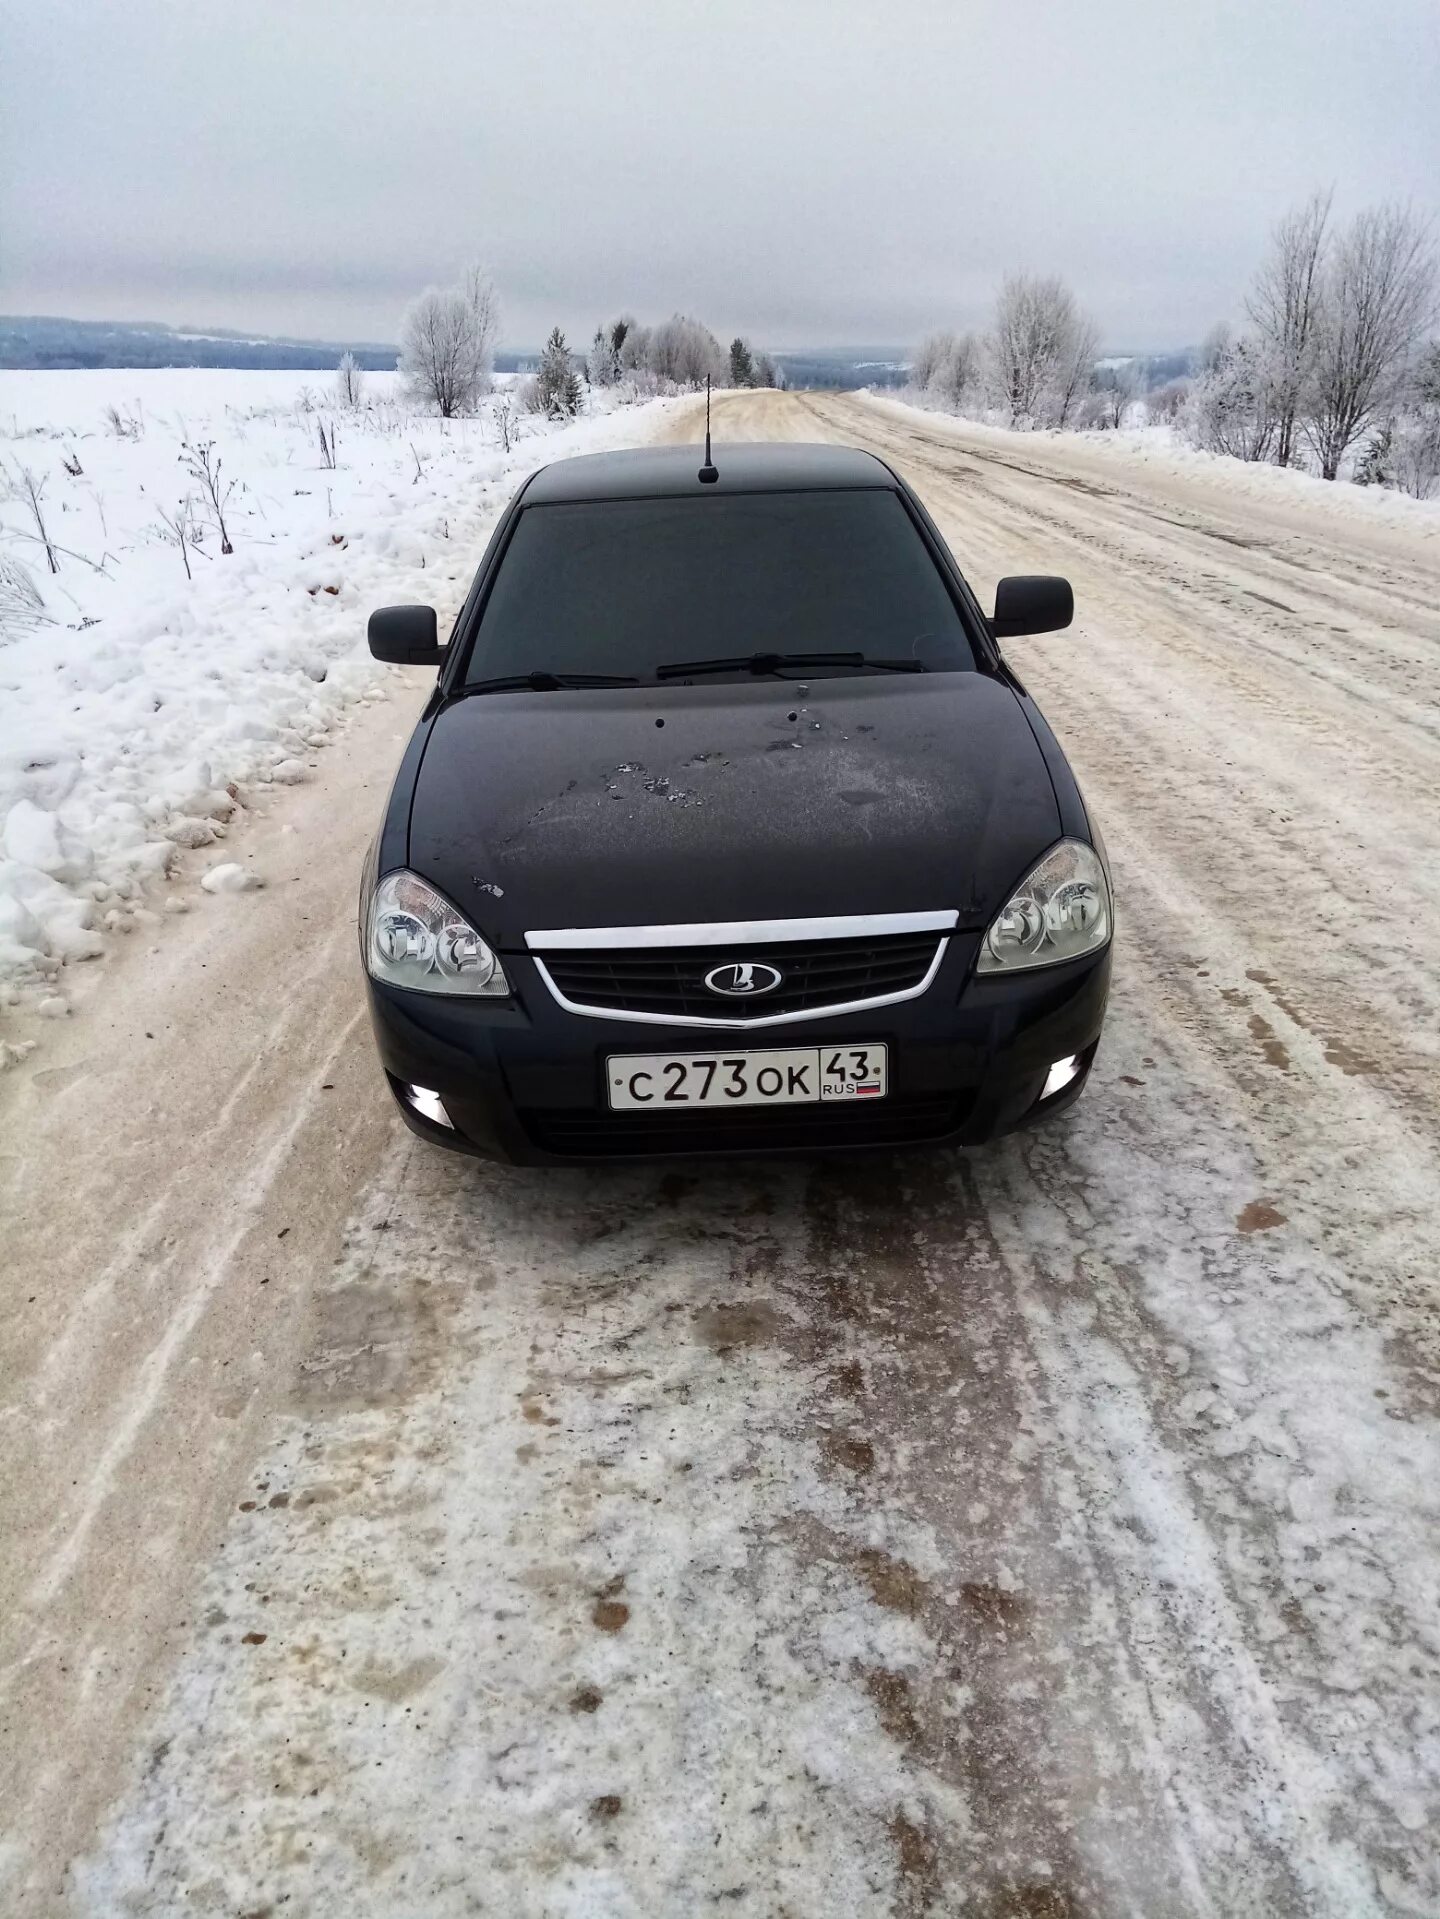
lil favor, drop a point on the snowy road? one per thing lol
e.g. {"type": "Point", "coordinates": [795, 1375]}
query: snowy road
{"type": "Point", "coordinates": [1047, 1532]}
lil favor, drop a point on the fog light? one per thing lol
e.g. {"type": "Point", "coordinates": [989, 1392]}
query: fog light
{"type": "Point", "coordinates": [1057, 1079]}
{"type": "Point", "coordinates": [427, 1105]}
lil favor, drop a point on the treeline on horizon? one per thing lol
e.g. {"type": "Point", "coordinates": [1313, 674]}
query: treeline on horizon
{"type": "Point", "coordinates": [41, 342]}
{"type": "Point", "coordinates": [53, 343]}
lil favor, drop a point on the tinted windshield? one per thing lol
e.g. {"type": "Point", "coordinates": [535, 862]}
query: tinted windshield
{"type": "Point", "coordinates": [625, 586]}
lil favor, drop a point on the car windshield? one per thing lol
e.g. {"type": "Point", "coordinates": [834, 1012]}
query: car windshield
{"type": "Point", "coordinates": [628, 586]}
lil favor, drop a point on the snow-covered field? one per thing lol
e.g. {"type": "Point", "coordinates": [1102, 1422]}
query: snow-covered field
{"type": "Point", "coordinates": [141, 708]}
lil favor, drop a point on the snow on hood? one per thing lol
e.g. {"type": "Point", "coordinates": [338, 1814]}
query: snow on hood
{"type": "Point", "coordinates": [732, 801]}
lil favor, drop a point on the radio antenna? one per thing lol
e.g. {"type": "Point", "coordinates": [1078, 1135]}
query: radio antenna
{"type": "Point", "coordinates": [709, 473]}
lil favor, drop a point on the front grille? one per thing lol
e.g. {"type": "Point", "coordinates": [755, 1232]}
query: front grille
{"type": "Point", "coordinates": [670, 981]}
{"type": "Point", "coordinates": [882, 1122]}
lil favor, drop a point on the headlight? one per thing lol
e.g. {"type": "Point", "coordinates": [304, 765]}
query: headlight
{"type": "Point", "coordinates": [417, 939]}
{"type": "Point", "coordinates": [1061, 912]}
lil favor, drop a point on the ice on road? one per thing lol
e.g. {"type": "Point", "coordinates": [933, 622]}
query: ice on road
{"type": "Point", "coordinates": [1046, 1530]}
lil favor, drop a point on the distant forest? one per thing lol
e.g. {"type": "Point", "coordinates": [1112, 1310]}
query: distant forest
{"type": "Point", "coordinates": [44, 342]}
{"type": "Point", "coordinates": [845, 368]}
{"type": "Point", "coordinates": [27, 341]}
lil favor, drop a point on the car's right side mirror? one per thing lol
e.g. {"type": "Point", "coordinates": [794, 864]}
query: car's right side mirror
{"type": "Point", "coordinates": [405, 636]}
{"type": "Point", "coordinates": [1032, 603]}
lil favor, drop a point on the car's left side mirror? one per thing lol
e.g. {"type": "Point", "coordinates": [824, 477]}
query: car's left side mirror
{"type": "Point", "coordinates": [1032, 603]}
{"type": "Point", "coordinates": [405, 636]}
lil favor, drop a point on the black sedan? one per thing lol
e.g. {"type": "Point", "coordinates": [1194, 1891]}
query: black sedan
{"type": "Point", "coordinates": [727, 828]}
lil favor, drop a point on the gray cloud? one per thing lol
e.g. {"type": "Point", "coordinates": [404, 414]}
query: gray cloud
{"type": "Point", "coordinates": [806, 173]}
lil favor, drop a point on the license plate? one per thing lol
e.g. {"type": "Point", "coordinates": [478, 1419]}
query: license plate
{"type": "Point", "coordinates": [797, 1076]}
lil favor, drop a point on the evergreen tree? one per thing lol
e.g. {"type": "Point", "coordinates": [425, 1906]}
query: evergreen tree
{"type": "Point", "coordinates": [557, 387]}
{"type": "Point", "coordinates": [742, 367]}
{"type": "Point", "coordinates": [601, 363]}
{"type": "Point", "coordinates": [1376, 465]}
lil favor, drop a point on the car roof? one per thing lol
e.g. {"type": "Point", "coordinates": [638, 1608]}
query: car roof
{"type": "Point", "coordinates": [744, 467]}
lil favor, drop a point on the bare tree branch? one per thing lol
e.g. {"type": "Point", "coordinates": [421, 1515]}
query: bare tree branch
{"type": "Point", "coordinates": [1283, 306]}
{"type": "Point", "coordinates": [1377, 300]}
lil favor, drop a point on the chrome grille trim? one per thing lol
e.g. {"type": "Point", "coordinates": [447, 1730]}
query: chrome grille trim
{"type": "Point", "coordinates": [740, 932]}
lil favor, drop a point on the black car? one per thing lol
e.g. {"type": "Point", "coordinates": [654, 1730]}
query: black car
{"type": "Point", "coordinates": [727, 828]}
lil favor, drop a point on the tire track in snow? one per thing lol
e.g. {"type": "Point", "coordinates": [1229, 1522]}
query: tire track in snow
{"type": "Point", "coordinates": [867, 1501]}
{"type": "Point", "coordinates": [532, 1575]}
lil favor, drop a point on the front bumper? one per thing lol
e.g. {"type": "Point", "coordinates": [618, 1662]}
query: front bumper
{"type": "Point", "coordinates": [524, 1081]}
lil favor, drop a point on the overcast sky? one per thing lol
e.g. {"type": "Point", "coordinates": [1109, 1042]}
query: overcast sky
{"type": "Point", "coordinates": [808, 174]}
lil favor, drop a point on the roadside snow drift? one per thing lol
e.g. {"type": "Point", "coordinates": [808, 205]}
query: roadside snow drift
{"type": "Point", "coordinates": [149, 688]}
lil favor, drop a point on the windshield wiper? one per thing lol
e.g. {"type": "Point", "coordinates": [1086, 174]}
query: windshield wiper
{"type": "Point", "coordinates": [542, 682]}
{"type": "Point", "coordinates": [773, 662]}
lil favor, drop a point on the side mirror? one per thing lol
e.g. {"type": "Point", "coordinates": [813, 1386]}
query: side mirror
{"type": "Point", "coordinates": [1032, 603]}
{"type": "Point", "coordinates": [405, 636]}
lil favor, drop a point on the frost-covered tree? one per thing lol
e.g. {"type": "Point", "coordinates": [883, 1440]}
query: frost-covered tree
{"type": "Point", "coordinates": [607, 360]}
{"type": "Point", "coordinates": [482, 303]}
{"type": "Point", "coordinates": [1405, 452]}
{"type": "Point", "coordinates": [766, 372]}
{"type": "Point", "coordinates": [949, 367]}
{"type": "Point", "coordinates": [1022, 348]}
{"type": "Point", "coordinates": [962, 371]}
{"type": "Point", "coordinates": [1283, 306]}
{"type": "Point", "coordinates": [1165, 404]}
{"type": "Point", "coordinates": [447, 344]}
{"type": "Point", "coordinates": [680, 352]}
{"type": "Point", "coordinates": [742, 364]}
{"type": "Point", "coordinates": [1415, 451]}
{"type": "Point", "coordinates": [926, 358]}
{"type": "Point", "coordinates": [1214, 347]}
{"type": "Point", "coordinates": [437, 362]}
{"type": "Point", "coordinates": [1232, 403]}
{"type": "Point", "coordinates": [1075, 367]}
{"type": "Point", "coordinates": [1118, 388]}
{"type": "Point", "coordinates": [685, 352]}
{"type": "Point", "coordinates": [634, 348]}
{"type": "Point", "coordinates": [1377, 301]}
{"type": "Point", "coordinates": [600, 362]}
{"type": "Point", "coordinates": [349, 383]}
{"type": "Point", "coordinates": [557, 386]}
{"type": "Point", "coordinates": [1041, 350]}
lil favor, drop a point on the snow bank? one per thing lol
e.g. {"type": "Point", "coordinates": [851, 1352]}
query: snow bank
{"type": "Point", "coordinates": [140, 709]}
{"type": "Point", "coordinates": [1160, 452]}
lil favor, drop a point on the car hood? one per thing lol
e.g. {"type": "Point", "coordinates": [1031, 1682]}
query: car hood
{"type": "Point", "coordinates": [656, 805]}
